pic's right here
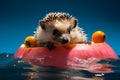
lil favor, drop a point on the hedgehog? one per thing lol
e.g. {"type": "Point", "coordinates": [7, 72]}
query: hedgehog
{"type": "Point", "coordinates": [59, 29]}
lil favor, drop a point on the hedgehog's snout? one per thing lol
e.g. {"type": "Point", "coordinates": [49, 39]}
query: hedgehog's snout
{"type": "Point", "coordinates": [63, 39]}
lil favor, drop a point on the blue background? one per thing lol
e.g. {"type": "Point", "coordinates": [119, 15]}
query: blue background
{"type": "Point", "coordinates": [19, 18]}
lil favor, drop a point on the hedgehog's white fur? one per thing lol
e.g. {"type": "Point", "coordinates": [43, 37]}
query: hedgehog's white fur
{"type": "Point", "coordinates": [77, 35]}
{"type": "Point", "coordinates": [42, 36]}
{"type": "Point", "coordinates": [59, 19]}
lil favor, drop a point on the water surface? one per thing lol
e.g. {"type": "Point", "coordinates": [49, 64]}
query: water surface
{"type": "Point", "coordinates": [91, 69]}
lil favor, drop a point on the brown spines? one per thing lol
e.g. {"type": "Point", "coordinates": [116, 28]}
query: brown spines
{"type": "Point", "coordinates": [51, 17]}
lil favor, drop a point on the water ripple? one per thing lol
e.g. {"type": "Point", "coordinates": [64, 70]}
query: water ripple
{"type": "Point", "coordinates": [90, 69]}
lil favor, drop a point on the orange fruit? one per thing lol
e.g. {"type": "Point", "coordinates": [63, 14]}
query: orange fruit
{"type": "Point", "coordinates": [98, 37]}
{"type": "Point", "coordinates": [30, 41]}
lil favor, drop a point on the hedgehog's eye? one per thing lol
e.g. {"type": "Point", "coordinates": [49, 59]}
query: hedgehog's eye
{"type": "Point", "coordinates": [69, 29]}
{"type": "Point", "coordinates": [56, 32]}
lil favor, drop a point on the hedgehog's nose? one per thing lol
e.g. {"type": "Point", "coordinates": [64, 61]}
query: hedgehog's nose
{"type": "Point", "coordinates": [64, 40]}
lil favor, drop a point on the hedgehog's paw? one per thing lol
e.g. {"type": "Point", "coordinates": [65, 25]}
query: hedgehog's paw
{"type": "Point", "coordinates": [50, 45]}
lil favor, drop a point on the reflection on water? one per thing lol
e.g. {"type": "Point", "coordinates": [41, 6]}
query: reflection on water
{"type": "Point", "coordinates": [91, 69]}
{"type": "Point", "coordinates": [52, 73]}
{"type": "Point", "coordinates": [80, 69]}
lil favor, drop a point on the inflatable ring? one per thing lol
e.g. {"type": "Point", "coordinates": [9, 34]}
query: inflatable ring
{"type": "Point", "coordinates": [60, 56]}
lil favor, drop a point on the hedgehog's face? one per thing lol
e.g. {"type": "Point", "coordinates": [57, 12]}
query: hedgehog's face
{"type": "Point", "coordinates": [60, 30]}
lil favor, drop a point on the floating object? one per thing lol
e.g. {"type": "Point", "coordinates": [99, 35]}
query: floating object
{"type": "Point", "coordinates": [61, 55]}
{"type": "Point", "coordinates": [30, 41]}
{"type": "Point", "coordinates": [98, 37]}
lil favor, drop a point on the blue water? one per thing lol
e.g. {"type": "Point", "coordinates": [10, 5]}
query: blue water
{"type": "Point", "coordinates": [17, 69]}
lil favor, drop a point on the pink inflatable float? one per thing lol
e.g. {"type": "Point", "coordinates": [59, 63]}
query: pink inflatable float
{"type": "Point", "coordinates": [61, 55]}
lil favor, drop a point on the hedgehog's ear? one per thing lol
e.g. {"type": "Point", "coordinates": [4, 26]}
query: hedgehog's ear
{"type": "Point", "coordinates": [42, 24]}
{"type": "Point", "coordinates": [75, 23]}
